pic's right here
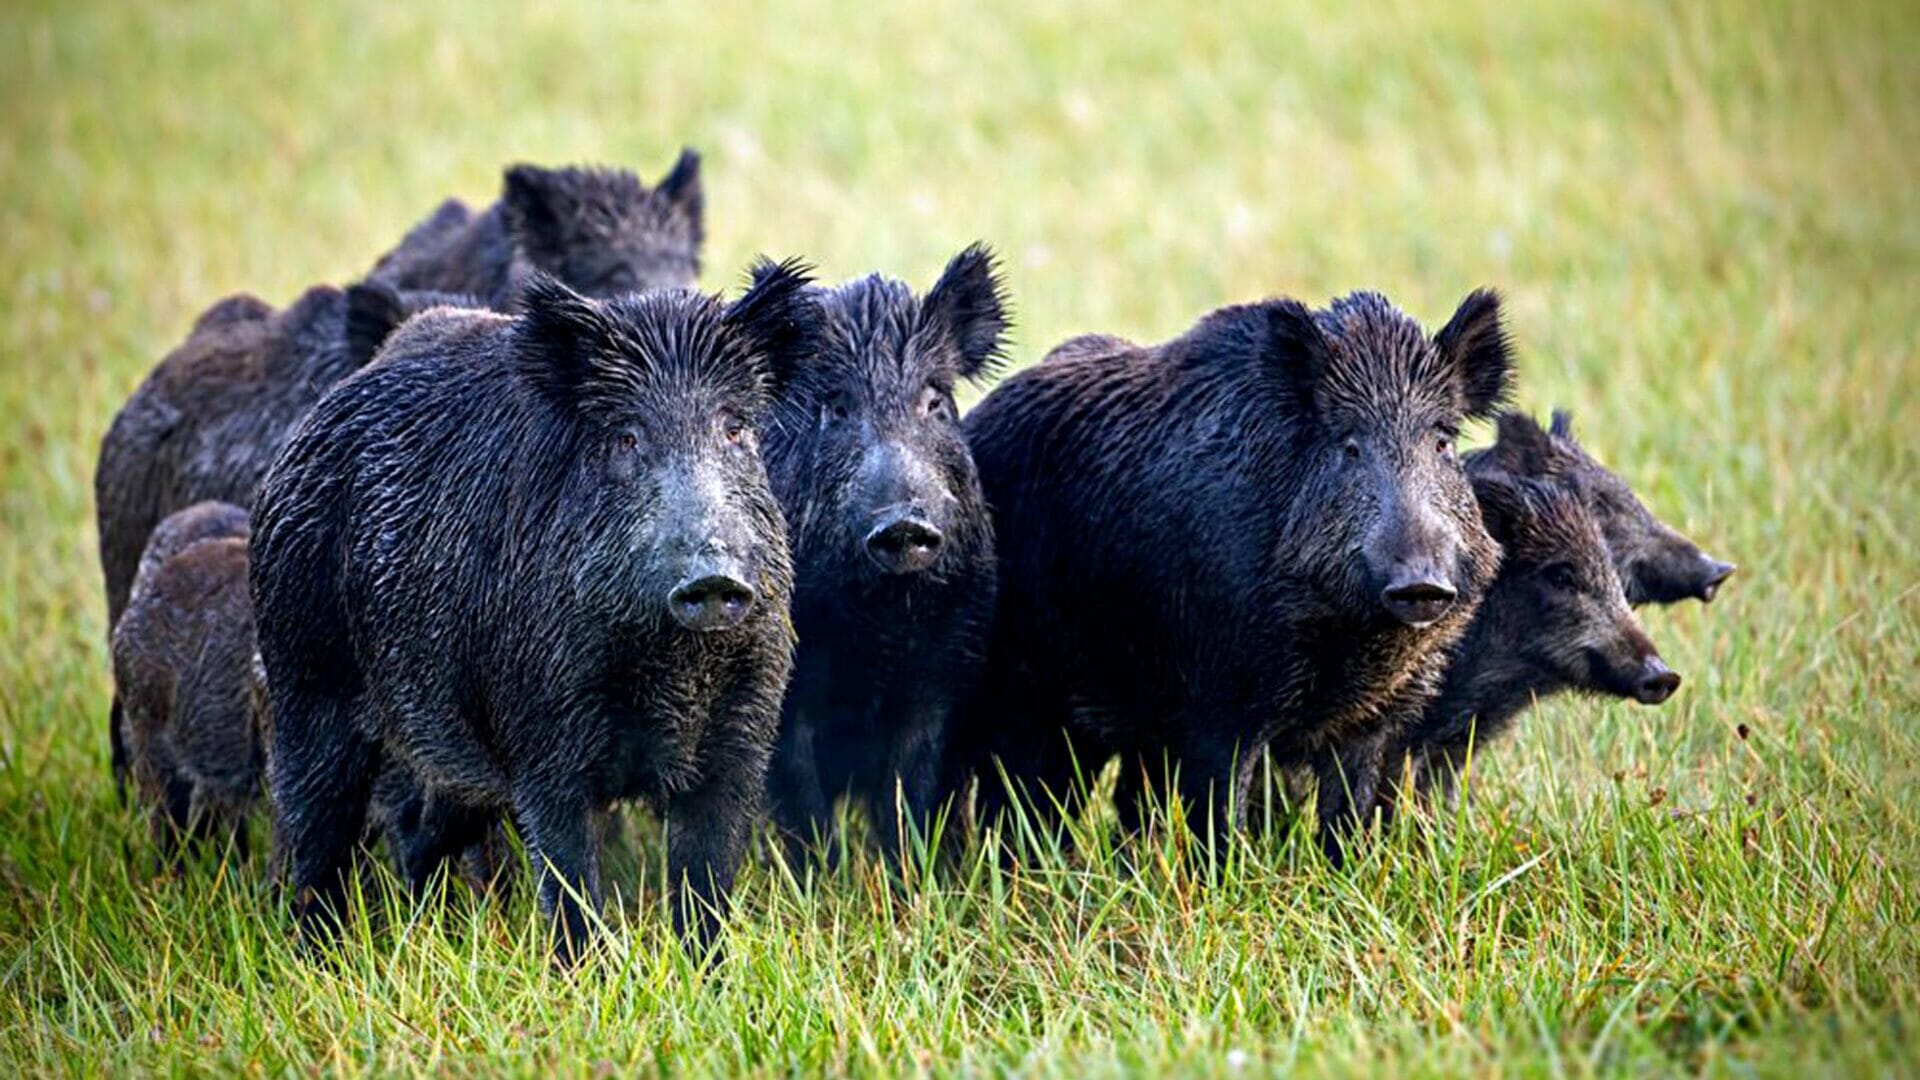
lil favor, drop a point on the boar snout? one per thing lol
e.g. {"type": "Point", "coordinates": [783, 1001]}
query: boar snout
{"type": "Point", "coordinates": [1412, 552]}
{"type": "Point", "coordinates": [1418, 595]}
{"type": "Point", "coordinates": [905, 543]}
{"type": "Point", "coordinates": [712, 598]}
{"type": "Point", "coordinates": [1656, 683]}
{"type": "Point", "coordinates": [1715, 574]}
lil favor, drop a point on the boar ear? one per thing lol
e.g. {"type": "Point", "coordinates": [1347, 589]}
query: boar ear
{"type": "Point", "coordinates": [681, 188]}
{"type": "Point", "coordinates": [1521, 448]}
{"type": "Point", "coordinates": [374, 310]}
{"type": "Point", "coordinates": [1475, 346]}
{"type": "Point", "coordinates": [970, 302]}
{"type": "Point", "coordinates": [535, 202]}
{"type": "Point", "coordinates": [777, 316]}
{"type": "Point", "coordinates": [1295, 345]}
{"type": "Point", "coordinates": [1503, 506]}
{"type": "Point", "coordinates": [1562, 424]}
{"type": "Point", "coordinates": [557, 337]}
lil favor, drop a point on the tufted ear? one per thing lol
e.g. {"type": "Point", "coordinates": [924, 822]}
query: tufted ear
{"type": "Point", "coordinates": [777, 317]}
{"type": "Point", "coordinates": [1503, 506]}
{"type": "Point", "coordinates": [1296, 347]}
{"type": "Point", "coordinates": [557, 338]}
{"type": "Point", "coordinates": [374, 310]}
{"type": "Point", "coordinates": [1563, 425]}
{"type": "Point", "coordinates": [681, 188]}
{"type": "Point", "coordinates": [539, 204]}
{"type": "Point", "coordinates": [970, 303]}
{"type": "Point", "coordinates": [1521, 448]}
{"type": "Point", "coordinates": [1474, 345]}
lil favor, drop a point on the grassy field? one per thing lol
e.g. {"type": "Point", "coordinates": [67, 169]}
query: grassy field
{"type": "Point", "coordinates": [1707, 220]}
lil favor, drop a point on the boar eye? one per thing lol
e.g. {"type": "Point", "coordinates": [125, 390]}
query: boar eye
{"type": "Point", "coordinates": [1351, 448]}
{"type": "Point", "coordinates": [933, 403]}
{"type": "Point", "coordinates": [1561, 576]}
{"type": "Point", "coordinates": [627, 441]}
{"type": "Point", "coordinates": [734, 430]}
{"type": "Point", "coordinates": [835, 411]}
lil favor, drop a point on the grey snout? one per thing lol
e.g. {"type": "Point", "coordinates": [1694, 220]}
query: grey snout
{"type": "Point", "coordinates": [1656, 682]}
{"type": "Point", "coordinates": [1418, 599]}
{"type": "Point", "coordinates": [709, 601]}
{"type": "Point", "coordinates": [905, 545]}
{"type": "Point", "coordinates": [1717, 573]}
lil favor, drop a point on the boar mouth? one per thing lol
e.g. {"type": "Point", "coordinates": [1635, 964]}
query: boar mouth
{"type": "Point", "coordinates": [1710, 587]}
{"type": "Point", "coordinates": [1420, 603]}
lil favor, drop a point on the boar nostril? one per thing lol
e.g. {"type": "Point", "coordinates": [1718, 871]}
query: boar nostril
{"type": "Point", "coordinates": [1417, 603]}
{"type": "Point", "coordinates": [711, 602]}
{"type": "Point", "coordinates": [1657, 682]}
{"type": "Point", "coordinates": [1717, 573]}
{"type": "Point", "coordinates": [905, 545]}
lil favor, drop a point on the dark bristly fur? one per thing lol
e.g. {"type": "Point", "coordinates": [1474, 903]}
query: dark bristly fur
{"type": "Point", "coordinates": [1230, 542]}
{"type": "Point", "coordinates": [1555, 619]}
{"type": "Point", "coordinates": [598, 230]}
{"type": "Point", "coordinates": [537, 560]}
{"type": "Point", "coordinates": [893, 553]}
{"type": "Point", "coordinates": [208, 420]}
{"type": "Point", "coordinates": [183, 672]}
{"type": "Point", "coordinates": [1656, 563]}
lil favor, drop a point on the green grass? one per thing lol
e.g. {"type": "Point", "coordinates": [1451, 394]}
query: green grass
{"type": "Point", "coordinates": [1706, 218]}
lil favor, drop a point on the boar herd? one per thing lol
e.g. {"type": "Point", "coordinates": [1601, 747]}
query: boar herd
{"type": "Point", "coordinates": [522, 527]}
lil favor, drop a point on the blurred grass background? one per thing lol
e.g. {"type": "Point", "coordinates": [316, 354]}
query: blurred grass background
{"type": "Point", "coordinates": [1706, 218]}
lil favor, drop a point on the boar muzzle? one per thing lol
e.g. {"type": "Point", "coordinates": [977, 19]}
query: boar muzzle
{"type": "Point", "coordinates": [905, 545]}
{"type": "Point", "coordinates": [1418, 598]}
{"type": "Point", "coordinates": [1716, 574]}
{"type": "Point", "coordinates": [1656, 682]}
{"type": "Point", "coordinates": [713, 600]}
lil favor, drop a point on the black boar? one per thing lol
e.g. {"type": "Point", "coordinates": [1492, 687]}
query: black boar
{"type": "Point", "coordinates": [1656, 563]}
{"type": "Point", "coordinates": [183, 671]}
{"type": "Point", "coordinates": [598, 230]}
{"type": "Point", "coordinates": [537, 561]}
{"type": "Point", "coordinates": [1555, 619]}
{"type": "Point", "coordinates": [1255, 536]}
{"type": "Point", "coordinates": [208, 420]}
{"type": "Point", "coordinates": [893, 554]}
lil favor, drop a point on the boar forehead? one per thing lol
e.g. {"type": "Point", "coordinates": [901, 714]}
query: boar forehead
{"type": "Point", "coordinates": [1622, 517]}
{"type": "Point", "coordinates": [618, 236]}
{"type": "Point", "coordinates": [1384, 372]}
{"type": "Point", "coordinates": [874, 344]}
{"type": "Point", "coordinates": [1560, 527]}
{"type": "Point", "coordinates": [671, 355]}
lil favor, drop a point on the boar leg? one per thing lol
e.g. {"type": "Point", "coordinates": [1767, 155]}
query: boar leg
{"type": "Point", "coordinates": [559, 833]}
{"type": "Point", "coordinates": [322, 777]}
{"type": "Point", "coordinates": [913, 779]}
{"type": "Point", "coordinates": [1211, 776]}
{"type": "Point", "coordinates": [708, 827]}
{"type": "Point", "coordinates": [117, 748]}
{"type": "Point", "coordinates": [1034, 770]}
{"type": "Point", "coordinates": [801, 810]}
{"type": "Point", "coordinates": [446, 828]}
{"type": "Point", "coordinates": [1348, 785]}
